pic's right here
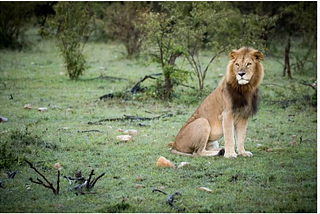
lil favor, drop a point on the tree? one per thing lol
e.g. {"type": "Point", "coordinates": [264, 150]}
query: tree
{"type": "Point", "coordinates": [302, 23]}
{"type": "Point", "coordinates": [297, 22]}
{"type": "Point", "coordinates": [184, 28]}
{"type": "Point", "coordinates": [119, 21]}
{"type": "Point", "coordinates": [163, 33]}
{"type": "Point", "coordinates": [13, 18]}
{"type": "Point", "coordinates": [223, 28]}
{"type": "Point", "coordinates": [73, 25]}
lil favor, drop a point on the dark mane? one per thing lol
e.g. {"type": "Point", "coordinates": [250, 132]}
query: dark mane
{"type": "Point", "coordinates": [244, 102]}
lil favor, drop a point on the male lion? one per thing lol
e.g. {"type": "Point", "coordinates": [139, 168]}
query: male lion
{"type": "Point", "coordinates": [225, 111]}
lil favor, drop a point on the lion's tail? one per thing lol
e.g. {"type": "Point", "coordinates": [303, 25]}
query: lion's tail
{"type": "Point", "coordinates": [176, 152]}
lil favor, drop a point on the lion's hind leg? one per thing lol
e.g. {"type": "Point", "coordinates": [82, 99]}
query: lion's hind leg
{"type": "Point", "coordinates": [193, 139]}
{"type": "Point", "coordinates": [212, 146]}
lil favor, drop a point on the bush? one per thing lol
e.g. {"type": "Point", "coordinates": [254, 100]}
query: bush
{"type": "Point", "coordinates": [13, 17]}
{"type": "Point", "coordinates": [73, 24]}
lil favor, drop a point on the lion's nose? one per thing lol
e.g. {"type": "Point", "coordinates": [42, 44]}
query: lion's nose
{"type": "Point", "coordinates": [241, 73]}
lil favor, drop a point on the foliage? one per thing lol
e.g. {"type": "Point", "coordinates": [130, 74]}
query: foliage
{"type": "Point", "coordinates": [280, 177]}
{"type": "Point", "coordinates": [184, 28]}
{"type": "Point", "coordinates": [304, 19]}
{"type": "Point", "coordinates": [18, 145]}
{"type": "Point", "coordinates": [163, 33]}
{"type": "Point", "coordinates": [208, 21]}
{"type": "Point", "coordinates": [73, 23]}
{"type": "Point", "coordinates": [119, 21]}
{"type": "Point", "coordinates": [13, 19]}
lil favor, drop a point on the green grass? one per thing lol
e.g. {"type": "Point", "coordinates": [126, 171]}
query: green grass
{"type": "Point", "coordinates": [280, 177]}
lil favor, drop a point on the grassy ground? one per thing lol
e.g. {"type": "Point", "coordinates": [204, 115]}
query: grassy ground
{"type": "Point", "coordinates": [280, 177]}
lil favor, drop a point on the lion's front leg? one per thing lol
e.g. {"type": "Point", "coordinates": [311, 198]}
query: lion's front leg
{"type": "Point", "coordinates": [228, 132]}
{"type": "Point", "coordinates": [241, 130]}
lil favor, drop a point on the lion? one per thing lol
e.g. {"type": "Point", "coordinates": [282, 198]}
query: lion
{"type": "Point", "coordinates": [225, 111]}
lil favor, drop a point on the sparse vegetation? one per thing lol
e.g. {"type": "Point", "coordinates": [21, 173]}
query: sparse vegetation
{"type": "Point", "coordinates": [280, 177]}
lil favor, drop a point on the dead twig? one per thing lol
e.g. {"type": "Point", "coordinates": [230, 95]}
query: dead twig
{"type": "Point", "coordinates": [89, 131]}
{"type": "Point", "coordinates": [89, 179]}
{"type": "Point", "coordinates": [308, 84]}
{"type": "Point", "coordinates": [12, 174]}
{"type": "Point", "coordinates": [137, 87]}
{"type": "Point", "coordinates": [95, 180]}
{"type": "Point", "coordinates": [48, 184]}
{"type": "Point", "coordinates": [128, 117]}
{"type": "Point", "coordinates": [170, 200]}
{"type": "Point", "coordinates": [158, 190]}
{"type": "Point", "coordinates": [70, 179]}
{"type": "Point", "coordinates": [87, 183]}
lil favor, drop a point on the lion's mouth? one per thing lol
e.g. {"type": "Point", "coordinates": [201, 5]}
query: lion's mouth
{"type": "Point", "coordinates": [243, 81]}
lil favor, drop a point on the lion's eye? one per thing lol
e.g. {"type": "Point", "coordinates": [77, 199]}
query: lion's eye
{"type": "Point", "coordinates": [237, 65]}
{"type": "Point", "coordinates": [248, 65]}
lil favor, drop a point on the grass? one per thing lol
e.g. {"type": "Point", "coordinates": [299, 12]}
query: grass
{"type": "Point", "coordinates": [280, 177]}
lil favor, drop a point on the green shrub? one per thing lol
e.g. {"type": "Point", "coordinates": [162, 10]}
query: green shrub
{"type": "Point", "coordinates": [73, 24]}
{"type": "Point", "coordinates": [13, 18]}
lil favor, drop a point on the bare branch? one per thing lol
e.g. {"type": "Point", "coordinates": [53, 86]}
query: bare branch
{"type": "Point", "coordinates": [95, 180]}
{"type": "Point", "coordinates": [48, 185]}
{"type": "Point", "coordinates": [89, 179]}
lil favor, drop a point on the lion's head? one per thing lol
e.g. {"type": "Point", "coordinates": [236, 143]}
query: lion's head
{"type": "Point", "coordinates": [245, 67]}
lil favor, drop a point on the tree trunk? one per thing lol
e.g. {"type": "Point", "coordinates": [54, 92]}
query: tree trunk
{"type": "Point", "coordinates": [287, 60]}
{"type": "Point", "coordinates": [168, 81]}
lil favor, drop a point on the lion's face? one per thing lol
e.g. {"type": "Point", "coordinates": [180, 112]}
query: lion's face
{"type": "Point", "coordinates": [244, 62]}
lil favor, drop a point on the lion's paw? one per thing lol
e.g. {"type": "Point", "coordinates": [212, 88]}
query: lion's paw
{"type": "Point", "coordinates": [246, 154]}
{"type": "Point", "coordinates": [231, 155]}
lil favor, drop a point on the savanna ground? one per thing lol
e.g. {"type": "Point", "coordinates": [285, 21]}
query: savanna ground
{"type": "Point", "coordinates": [280, 177]}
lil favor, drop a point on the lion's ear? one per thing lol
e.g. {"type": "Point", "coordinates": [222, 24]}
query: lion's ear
{"type": "Point", "coordinates": [232, 55]}
{"type": "Point", "coordinates": [258, 55]}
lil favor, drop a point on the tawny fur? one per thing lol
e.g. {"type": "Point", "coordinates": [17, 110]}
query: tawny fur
{"type": "Point", "coordinates": [226, 110]}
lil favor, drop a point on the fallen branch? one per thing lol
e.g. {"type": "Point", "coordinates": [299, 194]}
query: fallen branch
{"type": "Point", "coordinates": [308, 84]}
{"type": "Point", "coordinates": [158, 190]}
{"type": "Point", "coordinates": [12, 174]}
{"type": "Point", "coordinates": [94, 123]}
{"type": "Point", "coordinates": [137, 87]}
{"type": "Point", "coordinates": [48, 184]}
{"type": "Point", "coordinates": [128, 117]}
{"type": "Point", "coordinates": [89, 131]}
{"type": "Point", "coordinates": [95, 180]}
{"type": "Point", "coordinates": [109, 77]}
{"type": "Point", "coordinates": [70, 179]}
{"type": "Point", "coordinates": [170, 200]}
{"type": "Point", "coordinates": [87, 183]}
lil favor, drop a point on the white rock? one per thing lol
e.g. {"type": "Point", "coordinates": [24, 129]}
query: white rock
{"type": "Point", "coordinates": [183, 164]}
{"type": "Point", "coordinates": [205, 189]}
{"type": "Point", "coordinates": [124, 138]}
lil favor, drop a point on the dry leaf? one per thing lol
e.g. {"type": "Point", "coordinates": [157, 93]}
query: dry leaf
{"type": "Point", "coordinates": [163, 162]}
{"type": "Point", "coordinates": [205, 189]}
{"type": "Point", "coordinates": [124, 138]}
{"type": "Point", "coordinates": [183, 164]}
{"type": "Point", "coordinates": [294, 143]}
